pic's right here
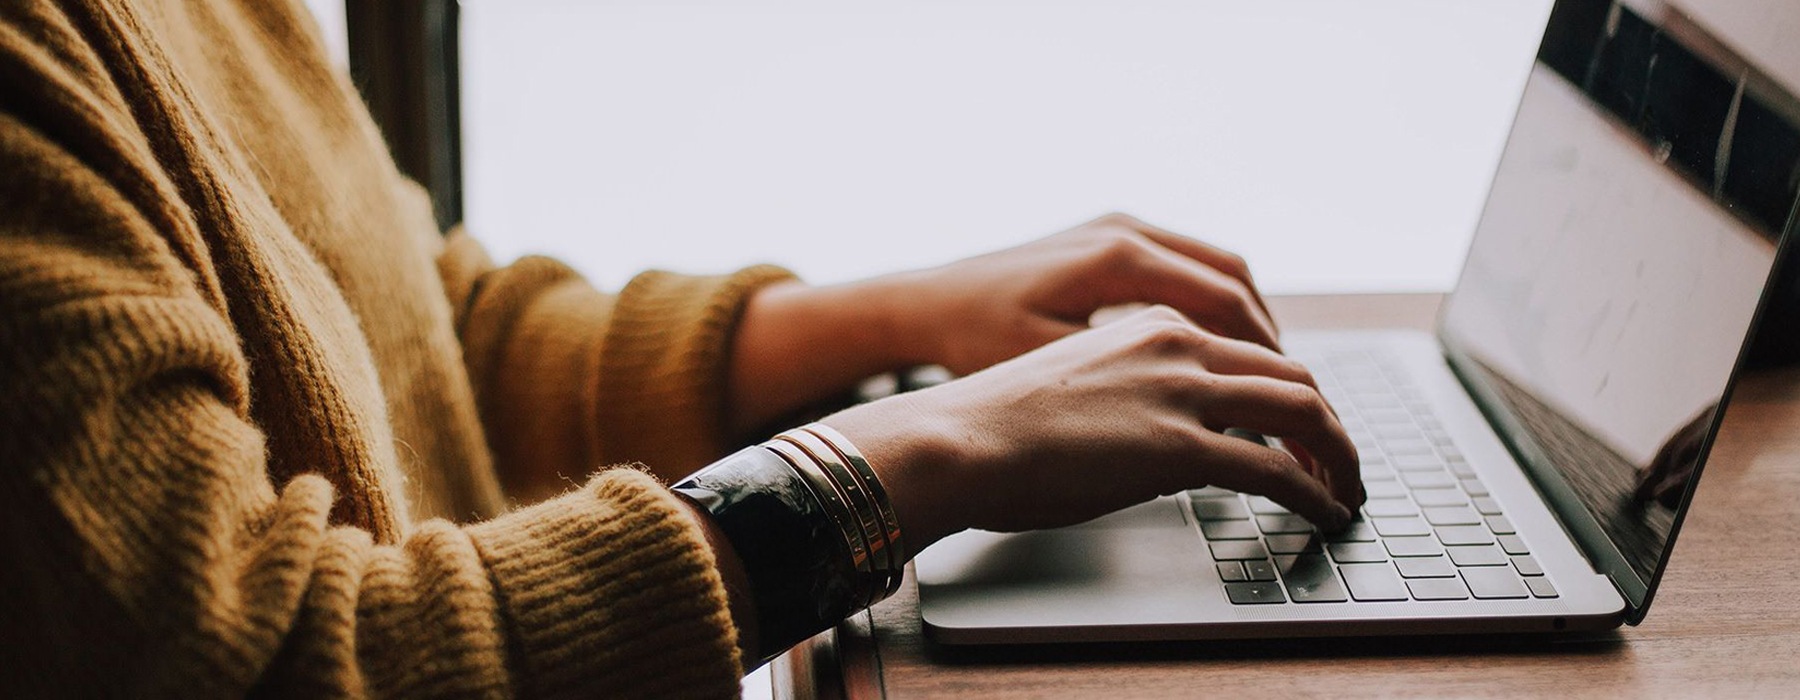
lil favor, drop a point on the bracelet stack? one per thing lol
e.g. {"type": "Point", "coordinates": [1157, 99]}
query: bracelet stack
{"type": "Point", "coordinates": [860, 506]}
{"type": "Point", "coordinates": [812, 525]}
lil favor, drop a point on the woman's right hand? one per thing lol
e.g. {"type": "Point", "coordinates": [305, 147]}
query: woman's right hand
{"type": "Point", "coordinates": [1101, 420]}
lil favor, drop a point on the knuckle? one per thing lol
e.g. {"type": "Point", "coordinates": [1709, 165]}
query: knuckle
{"type": "Point", "coordinates": [1242, 301]}
{"type": "Point", "coordinates": [1121, 251]}
{"type": "Point", "coordinates": [1117, 218]}
{"type": "Point", "coordinates": [1233, 264]}
{"type": "Point", "coordinates": [1293, 368]}
{"type": "Point", "coordinates": [1193, 384]}
{"type": "Point", "coordinates": [1169, 335]}
{"type": "Point", "coordinates": [1302, 401]}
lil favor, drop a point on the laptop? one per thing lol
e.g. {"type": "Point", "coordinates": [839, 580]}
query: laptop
{"type": "Point", "coordinates": [1529, 463]}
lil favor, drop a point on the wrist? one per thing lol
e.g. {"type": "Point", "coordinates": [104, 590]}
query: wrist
{"type": "Point", "coordinates": [916, 455]}
{"type": "Point", "coordinates": [741, 600]}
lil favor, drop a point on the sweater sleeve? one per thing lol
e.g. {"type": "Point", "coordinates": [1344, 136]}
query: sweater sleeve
{"type": "Point", "coordinates": [149, 552]}
{"type": "Point", "coordinates": [567, 377]}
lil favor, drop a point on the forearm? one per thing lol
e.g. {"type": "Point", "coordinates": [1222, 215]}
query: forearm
{"type": "Point", "coordinates": [798, 345]}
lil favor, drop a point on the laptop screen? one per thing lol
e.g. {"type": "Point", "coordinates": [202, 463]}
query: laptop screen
{"type": "Point", "coordinates": [1619, 263]}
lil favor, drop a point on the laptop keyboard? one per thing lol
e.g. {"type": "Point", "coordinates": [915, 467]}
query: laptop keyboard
{"type": "Point", "coordinates": [1430, 530]}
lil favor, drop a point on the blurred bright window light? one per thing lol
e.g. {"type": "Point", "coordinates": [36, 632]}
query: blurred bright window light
{"type": "Point", "coordinates": [1340, 146]}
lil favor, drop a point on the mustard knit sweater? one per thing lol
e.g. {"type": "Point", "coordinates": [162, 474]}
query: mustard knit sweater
{"type": "Point", "coordinates": [259, 420]}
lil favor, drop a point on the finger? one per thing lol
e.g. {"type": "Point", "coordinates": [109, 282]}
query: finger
{"type": "Point", "coordinates": [1298, 415]}
{"type": "Point", "coordinates": [1233, 356]}
{"type": "Point", "coordinates": [1212, 256]}
{"type": "Point", "coordinates": [1209, 297]}
{"type": "Point", "coordinates": [1262, 471]}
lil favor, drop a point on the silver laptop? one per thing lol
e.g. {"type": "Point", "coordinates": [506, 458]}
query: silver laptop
{"type": "Point", "coordinates": [1528, 465]}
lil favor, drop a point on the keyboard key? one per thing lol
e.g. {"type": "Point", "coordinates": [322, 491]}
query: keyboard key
{"type": "Point", "coordinates": [1358, 552]}
{"type": "Point", "coordinates": [1428, 480]}
{"type": "Point", "coordinates": [1229, 530]}
{"type": "Point", "coordinates": [1371, 582]}
{"type": "Point", "coordinates": [1413, 546]}
{"type": "Point", "coordinates": [1434, 588]}
{"type": "Point", "coordinates": [1301, 543]}
{"type": "Point", "coordinates": [1376, 401]}
{"type": "Point", "coordinates": [1408, 448]}
{"type": "Point", "coordinates": [1434, 498]}
{"type": "Point", "coordinates": [1229, 550]}
{"type": "Point", "coordinates": [1386, 489]}
{"type": "Point", "coordinates": [1477, 555]}
{"type": "Point", "coordinates": [1464, 534]}
{"type": "Point", "coordinates": [1376, 473]}
{"type": "Point", "coordinates": [1401, 527]}
{"type": "Point", "coordinates": [1379, 416]}
{"type": "Point", "coordinates": [1262, 505]}
{"type": "Point", "coordinates": [1220, 509]}
{"type": "Point", "coordinates": [1500, 525]}
{"type": "Point", "coordinates": [1491, 582]}
{"type": "Point", "coordinates": [1527, 566]}
{"type": "Point", "coordinates": [1461, 469]}
{"type": "Point", "coordinates": [1359, 531]}
{"type": "Point", "coordinates": [1425, 567]}
{"type": "Point", "coordinates": [1452, 515]}
{"type": "Point", "coordinates": [1416, 462]}
{"type": "Point", "coordinates": [1211, 492]}
{"type": "Point", "coordinates": [1390, 509]}
{"type": "Point", "coordinates": [1513, 544]}
{"type": "Point", "coordinates": [1279, 524]}
{"type": "Point", "coordinates": [1255, 593]}
{"type": "Point", "coordinates": [1487, 506]}
{"type": "Point", "coordinates": [1230, 571]}
{"type": "Point", "coordinates": [1311, 579]}
{"type": "Point", "coordinates": [1396, 431]}
{"type": "Point", "coordinates": [1260, 570]}
{"type": "Point", "coordinates": [1473, 487]}
{"type": "Point", "coordinates": [1540, 587]}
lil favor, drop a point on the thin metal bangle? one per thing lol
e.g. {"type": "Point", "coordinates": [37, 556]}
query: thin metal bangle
{"type": "Point", "coordinates": [840, 512]}
{"type": "Point", "coordinates": [884, 506]}
{"type": "Point", "coordinates": [874, 529]}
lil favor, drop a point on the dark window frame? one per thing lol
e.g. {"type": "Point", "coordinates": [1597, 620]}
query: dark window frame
{"type": "Point", "coordinates": [404, 59]}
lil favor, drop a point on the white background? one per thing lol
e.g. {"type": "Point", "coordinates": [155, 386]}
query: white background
{"type": "Point", "coordinates": [1340, 146]}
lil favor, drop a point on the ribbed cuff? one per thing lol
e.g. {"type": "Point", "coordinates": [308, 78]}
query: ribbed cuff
{"type": "Point", "coordinates": [664, 367]}
{"type": "Point", "coordinates": [611, 591]}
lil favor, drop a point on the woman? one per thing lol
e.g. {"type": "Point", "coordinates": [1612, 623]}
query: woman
{"type": "Point", "coordinates": [264, 429]}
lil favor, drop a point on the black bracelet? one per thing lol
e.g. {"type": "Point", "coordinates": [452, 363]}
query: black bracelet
{"type": "Point", "coordinates": [800, 567]}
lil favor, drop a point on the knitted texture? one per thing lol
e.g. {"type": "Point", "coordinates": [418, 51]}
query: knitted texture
{"type": "Point", "coordinates": [260, 423]}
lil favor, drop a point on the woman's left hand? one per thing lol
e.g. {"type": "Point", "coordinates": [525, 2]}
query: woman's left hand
{"type": "Point", "coordinates": [799, 344]}
{"type": "Point", "coordinates": [983, 310]}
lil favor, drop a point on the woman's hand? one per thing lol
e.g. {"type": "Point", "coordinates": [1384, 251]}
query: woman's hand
{"type": "Point", "coordinates": [1101, 420]}
{"type": "Point", "coordinates": [976, 312]}
{"type": "Point", "coordinates": [799, 344]}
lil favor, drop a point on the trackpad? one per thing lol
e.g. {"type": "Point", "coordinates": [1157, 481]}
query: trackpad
{"type": "Point", "coordinates": [1140, 559]}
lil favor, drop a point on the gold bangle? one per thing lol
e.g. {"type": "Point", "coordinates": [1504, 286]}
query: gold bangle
{"type": "Point", "coordinates": [884, 507]}
{"type": "Point", "coordinates": [830, 494]}
{"type": "Point", "coordinates": [874, 530]}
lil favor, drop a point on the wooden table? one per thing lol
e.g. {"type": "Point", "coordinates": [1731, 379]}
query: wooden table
{"type": "Point", "coordinates": [1726, 621]}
